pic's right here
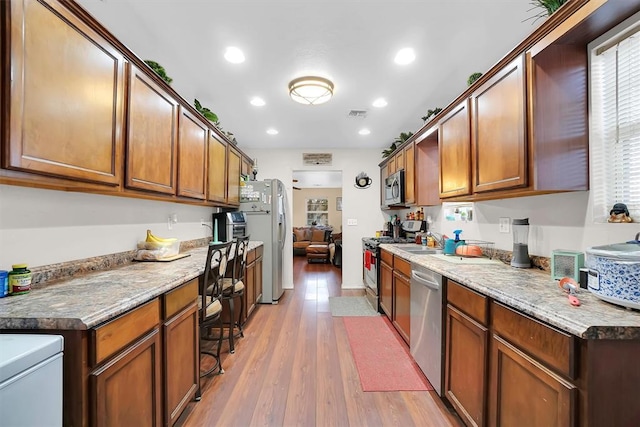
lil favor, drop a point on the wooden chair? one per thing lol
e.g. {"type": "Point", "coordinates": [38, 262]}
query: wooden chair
{"type": "Point", "coordinates": [233, 288]}
{"type": "Point", "coordinates": [210, 304]}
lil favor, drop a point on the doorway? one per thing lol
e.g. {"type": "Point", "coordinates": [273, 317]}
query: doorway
{"type": "Point", "coordinates": [317, 204]}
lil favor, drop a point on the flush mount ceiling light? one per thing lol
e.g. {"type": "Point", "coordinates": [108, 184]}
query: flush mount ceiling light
{"type": "Point", "coordinates": [405, 56]}
{"type": "Point", "coordinates": [311, 90]}
{"type": "Point", "coordinates": [234, 55]}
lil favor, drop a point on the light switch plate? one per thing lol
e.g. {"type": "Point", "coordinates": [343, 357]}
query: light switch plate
{"type": "Point", "coordinates": [504, 225]}
{"type": "Point", "coordinates": [352, 221]}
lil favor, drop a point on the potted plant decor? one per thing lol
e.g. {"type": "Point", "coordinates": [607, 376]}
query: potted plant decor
{"type": "Point", "coordinates": [397, 142]}
{"type": "Point", "coordinates": [159, 70]}
{"type": "Point", "coordinates": [431, 113]}
{"type": "Point", "coordinates": [549, 6]}
{"type": "Point", "coordinates": [472, 78]}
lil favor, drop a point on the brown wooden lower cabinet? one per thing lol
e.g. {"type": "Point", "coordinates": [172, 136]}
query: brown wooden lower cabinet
{"type": "Point", "coordinates": [402, 304]}
{"type": "Point", "coordinates": [127, 389]}
{"type": "Point", "coordinates": [386, 288]}
{"type": "Point", "coordinates": [181, 362]}
{"type": "Point", "coordinates": [466, 355]}
{"type": "Point", "coordinates": [525, 393]}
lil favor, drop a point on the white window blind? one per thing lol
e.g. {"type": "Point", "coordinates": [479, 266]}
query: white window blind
{"type": "Point", "coordinates": [615, 126]}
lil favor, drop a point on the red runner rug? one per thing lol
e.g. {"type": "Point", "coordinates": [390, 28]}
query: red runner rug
{"type": "Point", "coordinates": [383, 361]}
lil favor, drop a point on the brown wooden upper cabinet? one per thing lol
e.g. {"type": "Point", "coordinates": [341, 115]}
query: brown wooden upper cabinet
{"type": "Point", "coordinates": [409, 159]}
{"type": "Point", "coordinates": [233, 176]}
{"type": "Point", "coordinates": [82, 78]}
{"type": "Point", "coordinates": [192, 155]}
{"type": "Point", "coordinates": [498, 129]}
{"type": "Point", "coordinates": [455, 152]}
{"type": "Point", "coordinates": [246, 166]}
{"type": "Point", "coordinates": [152, 133]}
{"type": "Point", "coordinates": [217, 182]}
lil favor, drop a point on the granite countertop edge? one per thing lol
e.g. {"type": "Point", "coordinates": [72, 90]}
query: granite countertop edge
{"type": "Point", "coordinates": [536, 294]}
{"type": "Point", "coordinates": [88, 300]}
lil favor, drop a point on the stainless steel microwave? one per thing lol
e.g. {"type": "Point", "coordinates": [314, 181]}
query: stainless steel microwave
{"type": "Point", "coordinates": [394, 189]}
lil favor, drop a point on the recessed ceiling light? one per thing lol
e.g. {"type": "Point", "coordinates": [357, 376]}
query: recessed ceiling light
{"type": "Point", "coordinates": [405, 56]}
{"type": "Point", "coordinates": [257, 101]}
{"type": "Point", "coordinates": [234, 55]}
{"type": "Point", "coordinates": [272, 131]}
{"type": "Point", "coordinates": [380, 102]}
{"type": "Point", "coordinates": [364, 131]}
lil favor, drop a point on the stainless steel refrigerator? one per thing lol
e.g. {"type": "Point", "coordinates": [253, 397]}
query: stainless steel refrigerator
{"type": "Point", "coordinates": [264, 203]}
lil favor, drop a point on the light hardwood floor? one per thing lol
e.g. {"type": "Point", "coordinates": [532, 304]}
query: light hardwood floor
{"type": "Point", "coordinates": [294, 368]}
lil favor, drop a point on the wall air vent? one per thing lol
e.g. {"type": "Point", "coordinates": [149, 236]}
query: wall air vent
{"type": "Point", "coordinates": [316, 159]}
{"type": "Point", "coordinates": [358, 113]}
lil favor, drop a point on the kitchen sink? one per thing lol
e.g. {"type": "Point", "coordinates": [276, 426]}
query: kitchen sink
{"type": "Point", "coordinates": [420, 250]}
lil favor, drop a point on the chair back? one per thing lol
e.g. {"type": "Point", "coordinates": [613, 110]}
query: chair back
{"type": "Point", "coordinates": [240, 258]}
{"type": "Point", "coordinates": [215, 267]}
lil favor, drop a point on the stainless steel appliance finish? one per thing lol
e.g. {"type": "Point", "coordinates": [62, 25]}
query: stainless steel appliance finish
{"type": "Point", "coordinates": [394, 189]}
{"type": "Point", "coordinates": [230, 225]}
{"type": "Point", "coordinates": [264, 206]}
{"type": "Point", "coordinates": [426, 323]}
{"type": "Point", "coordinates": [371, 275]}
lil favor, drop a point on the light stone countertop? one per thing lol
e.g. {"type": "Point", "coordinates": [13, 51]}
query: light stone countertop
{"type": "Point", "coordinates": [87, 300]}
{"type": "Point", "coordinates": [536, 294]}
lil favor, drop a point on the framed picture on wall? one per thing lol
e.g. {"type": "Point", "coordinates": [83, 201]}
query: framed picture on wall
{"type": "Point", "coordinates": [338, 203]}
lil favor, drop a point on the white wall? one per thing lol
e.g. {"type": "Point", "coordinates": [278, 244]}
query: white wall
{"type": "Point", "coordinates": [360, 205]}
{"type": "Point", "coordinates": [558, 221]}
{"type": "Point", "coordinates": [40, 227]}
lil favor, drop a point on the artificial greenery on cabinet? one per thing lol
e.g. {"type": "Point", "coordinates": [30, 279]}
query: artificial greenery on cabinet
{"type": "Point", "coordinates": [396, 143]}
{"type": "Point", "coordinates": [159, 70]}
{"type": "Point", "coordinates": [548, 6]}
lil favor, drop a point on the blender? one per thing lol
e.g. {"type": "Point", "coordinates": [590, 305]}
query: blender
{"type": "Point", "coordinates": [520, 257]}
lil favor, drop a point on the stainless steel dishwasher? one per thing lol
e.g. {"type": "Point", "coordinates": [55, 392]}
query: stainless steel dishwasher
{"type": "Point", "coordinates": [426, 323]}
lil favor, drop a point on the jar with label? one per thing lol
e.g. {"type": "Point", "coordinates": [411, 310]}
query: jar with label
{"type": "Point", "coordinates": [4, 283]}
{"type": "Point", "coordinates": [19, 279]}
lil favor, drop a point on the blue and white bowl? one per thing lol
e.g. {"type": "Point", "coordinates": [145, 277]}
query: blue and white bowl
{"type": "Point", "coordinates": [614, 273]}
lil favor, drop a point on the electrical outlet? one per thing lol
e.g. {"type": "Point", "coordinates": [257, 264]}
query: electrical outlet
{"type": "Point", "coordinates": [352, 221]}
{"type": "Point", "coordinates": [504, 225]}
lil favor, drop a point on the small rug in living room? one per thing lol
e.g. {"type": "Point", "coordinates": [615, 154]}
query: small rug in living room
{"type": "Point", "coordinates": [351, 306]}
{"type": "Point", "coordinates": [383, 362]}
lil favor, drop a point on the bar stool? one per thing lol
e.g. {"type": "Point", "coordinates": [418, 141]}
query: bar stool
{"type": "Point", "coordinates": [210, 306]}
{"type": "Point", "coordinates": [233, 287]}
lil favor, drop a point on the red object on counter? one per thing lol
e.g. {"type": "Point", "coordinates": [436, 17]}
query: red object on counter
{"type": "Point", "coordinates": [367, 259]}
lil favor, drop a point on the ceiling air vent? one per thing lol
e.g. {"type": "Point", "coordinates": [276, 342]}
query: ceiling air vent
{"type": "Point", "coordinates": [315, 159]}
{"type": "Point", "coordinates": [358, 113]}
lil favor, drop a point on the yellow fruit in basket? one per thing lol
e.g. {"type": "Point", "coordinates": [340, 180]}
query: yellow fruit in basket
{"type": "Point", "coordinates": [159, 240]}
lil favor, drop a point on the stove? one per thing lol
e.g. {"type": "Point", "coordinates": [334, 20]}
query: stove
{"type": "Point", "coordinates": [371, 265]}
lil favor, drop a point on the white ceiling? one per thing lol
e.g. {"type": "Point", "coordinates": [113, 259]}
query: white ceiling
{"type": "Point", "coordinates": [351, 42]}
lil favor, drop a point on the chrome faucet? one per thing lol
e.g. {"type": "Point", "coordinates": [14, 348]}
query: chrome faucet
{"type": "Point", "coordinates": [637, 236]}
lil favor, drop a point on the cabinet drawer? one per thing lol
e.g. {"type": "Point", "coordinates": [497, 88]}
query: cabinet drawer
{"type": "Point", "coordinates": [471, 303]}
{"type": "Point", "coordinates": [402, 266]}
{"type": "Point", "coordinates": [554, 348]}
{"type": "Point", "coordinates": [387, 257]}
{"type": "Point", "coordinates": [118, 333]}
{"type": "Point", "coordinates": [177, 299]}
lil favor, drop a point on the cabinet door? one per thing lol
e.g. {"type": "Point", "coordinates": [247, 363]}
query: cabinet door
{"type": "Point", "coordinates": [409, 175]}
{"type": "Point", "coordinates": [402, 305]}
{"type": "Point", "coordinates": [499, 144]}
{"type": "Point", "coordinates": [386, 289]}
{"type": "Point", "coordinates": [192, 156]}
{"type": "Point", "coordinates": [250, 289]}
{"type": "Point", "coordinates": [152, 132]}
{"type": "Point", "coordinates": [181, 362]}
{"type": "Point", "coordinates": [466, 353]}
{"type": "Point", "coordinates": [67, 88]}
{"type": "Point", "coordinates": [391, 166]}
{"type": "Point", "coordinates": [524, 393]}
{"type": "Point", "coordinates": [217, 182]}
{"type": "Point", "coordinates": [233, 177]}
{"type": "Point", "coordinates": [126, 391]}
{"type": "Point", "coordinates": [246, 166]}
{"type": "Point", "coordinates": [455, 152]}
{"type": "Point", "coordinates": [258, 277]}
{"type": "Point", "coordinates": [399, 160]}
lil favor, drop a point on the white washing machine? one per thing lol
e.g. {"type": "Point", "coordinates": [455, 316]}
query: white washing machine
{"type": "Point", "coordinates": [30, 380]}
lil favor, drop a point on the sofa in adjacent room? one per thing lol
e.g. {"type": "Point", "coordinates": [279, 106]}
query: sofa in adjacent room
{"type": "Point", "coordinates": [305, 236]}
